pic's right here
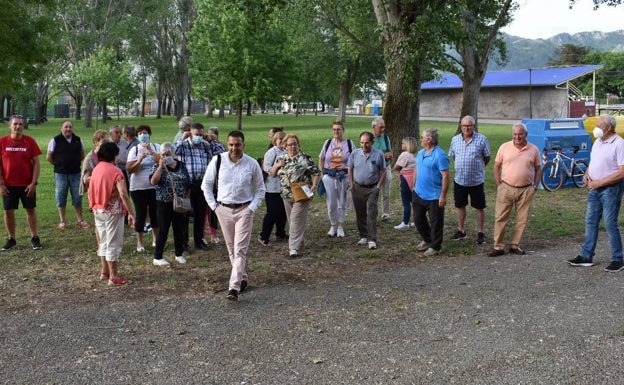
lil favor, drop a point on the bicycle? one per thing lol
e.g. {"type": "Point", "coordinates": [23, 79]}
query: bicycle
{"type": "Point", "coordinates": [552, 176]}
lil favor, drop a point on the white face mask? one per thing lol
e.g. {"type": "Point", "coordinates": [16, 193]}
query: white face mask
{"type": "Point", "coordinates": [598, 132]}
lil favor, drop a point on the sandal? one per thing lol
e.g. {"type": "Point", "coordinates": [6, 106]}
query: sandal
{"type": "Point", "coordinates": [62, 226]}
{"type": "Point", "coordinates": [83, 224]}
{"type": "Point", "coordinates": [118, 281]}
{"type": "Point", "coordinates": [104, 277]}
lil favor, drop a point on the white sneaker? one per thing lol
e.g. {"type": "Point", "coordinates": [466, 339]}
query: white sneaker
{"type": "Point", "coordinates": [422, 246]}
{"type": "Point", "coordinates": [216, 240]}
{"type": "Point", "coordinates": [180, 259]}
{"type": "Point", "coordinates": [385, 217]}
{"type": "Point", "coordinates": [362, 241]}
{"type": "Point", "coordinates": [160, 262]}
{"type": "Point", "coordinates": [332, 231]}
{"type": "Point", "coordinates": [293, 253]}
{"type": "Point", "coordinates": [431, 252]}
{"type": "Point", "coordinates": [372, 245]}
{"type": "Point", "coordinates": [140, 249]}
{"type": "Point", "coordinates": [401, 226]}
{"type": "Point", "coordinates": [340, 232]}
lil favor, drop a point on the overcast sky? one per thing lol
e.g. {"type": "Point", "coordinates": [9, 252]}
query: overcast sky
{"type": "Point", "coordinates": [541, 19]}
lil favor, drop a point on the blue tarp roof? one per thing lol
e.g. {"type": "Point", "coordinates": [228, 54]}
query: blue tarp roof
{"type": "Point", "coordinates": [552, 76]}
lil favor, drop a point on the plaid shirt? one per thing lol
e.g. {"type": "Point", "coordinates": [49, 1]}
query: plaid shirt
{"type": "Point", "coordinates": [197, 157]}
{"type": "Point", "coordinates": [469, 159]}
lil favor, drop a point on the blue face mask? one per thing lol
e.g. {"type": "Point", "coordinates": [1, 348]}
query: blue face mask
{"type": "Point", "coordinates": [144, 138]}
{"type": "Point", "coordinates": [197, 139]}
{"type": "Point", "coordinates": [168, 160]}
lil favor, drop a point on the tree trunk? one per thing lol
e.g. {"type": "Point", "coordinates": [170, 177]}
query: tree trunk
{"type": "Point", "coordinates": [239, 115]}
{"type": "Point", "coordinates": [343, 100]}
{"type": "Point", "coordinates": [89, 112]}
{"type": "Point", "coordinates": [222, 112]}
{"type": "Point", "coordinates": [472, 78]}
{"type": "Point", "coordinates": [209, 112]}
{"type": "Point", "coordinates": [248, 108]}
{"type": "Point", "coordinates": [346, 86]}
{"type": "Point", "coordinates": [41, 102]}
{"type": "Point", "coordinates": [144, 95]}
{"type": "Point", "coordinates": [401, 113]}
{"type": "Point", "coordinates": [78, 99]}
{"type": "Point", "coordinates": [104, 111]}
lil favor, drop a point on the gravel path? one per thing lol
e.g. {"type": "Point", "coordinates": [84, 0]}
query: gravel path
{"type": "Point", "coordinates": [462, 320]}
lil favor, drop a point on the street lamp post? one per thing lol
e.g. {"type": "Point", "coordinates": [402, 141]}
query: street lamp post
{"type": "Point", "coordinates": [530, 95]}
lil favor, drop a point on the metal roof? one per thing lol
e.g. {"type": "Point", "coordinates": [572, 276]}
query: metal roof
{"type": "Point", "coordinates": [552, 76]}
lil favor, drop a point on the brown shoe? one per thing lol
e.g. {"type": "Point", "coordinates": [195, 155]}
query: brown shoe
{"type": "Point", "coordinates": [496, 253]}
{"type": "Point", "coordinates": [516, 250]}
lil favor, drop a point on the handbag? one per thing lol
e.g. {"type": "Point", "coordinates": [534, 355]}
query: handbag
{"type": "Point", "coordinates": [181, 204]}
{"type": "Point", "coordinates": [301, 191]}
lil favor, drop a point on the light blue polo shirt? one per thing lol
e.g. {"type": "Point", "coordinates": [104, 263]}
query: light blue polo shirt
{"type": "Point", "coordinates": [366, 169]}
{"type": "Point", "coordinates": [428, 177]}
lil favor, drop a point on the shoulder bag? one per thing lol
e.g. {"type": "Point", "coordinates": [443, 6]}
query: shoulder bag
{"type": "Point", "coordinates": [181, 204]}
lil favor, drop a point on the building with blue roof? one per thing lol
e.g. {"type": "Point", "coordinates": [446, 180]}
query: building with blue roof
{"type": "Point", "coordinates": [531, 93]}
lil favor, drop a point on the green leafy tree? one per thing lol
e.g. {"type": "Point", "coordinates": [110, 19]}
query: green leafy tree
{"type": "Point", "coordinates": [475, 36]}
{"type": "Point", "coordinates": [87, 26]}
{"type": "Point", "coordinates": [239, 53]}
{"type": "Point", "coordinates": [609, 79]}
{"type": "Point", "coordinates": [340, 44]}
{"type": "Point", "coordinates": [598, 3]}
{"type": "Point", "coordinates": [105, 78]}
{"type": "Point", "coordinates": [27, 43]}
{"type": "Point", "coordinates": [569, 54]}
{"type": "Point", "coordinates": [413, 35]}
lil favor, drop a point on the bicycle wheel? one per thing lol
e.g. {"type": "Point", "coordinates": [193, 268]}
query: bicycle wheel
{"type": "Point", "coordinates": [552, 177]}
{"type": "Point", "coordinates": [578, 172]}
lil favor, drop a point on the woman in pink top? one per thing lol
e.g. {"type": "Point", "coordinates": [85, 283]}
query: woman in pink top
{"type": "Point", "coordinates": [406, 164]}
{"type": "Point", "coordinates": [108, 199]}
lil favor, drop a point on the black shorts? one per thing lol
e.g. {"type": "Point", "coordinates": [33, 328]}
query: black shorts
{"type": "Point", "coordinates": [476, 194]}
{"type": "Point", "coordinates": [15, 195]}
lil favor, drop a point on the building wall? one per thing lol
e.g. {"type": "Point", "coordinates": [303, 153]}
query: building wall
{"type": "Point", "coordinates": [499, 103]}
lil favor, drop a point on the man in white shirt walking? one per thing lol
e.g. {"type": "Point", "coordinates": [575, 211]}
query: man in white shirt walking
{"type": "Point", "coordinates": [234, 187]}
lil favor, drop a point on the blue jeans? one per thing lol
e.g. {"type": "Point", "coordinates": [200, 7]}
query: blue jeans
{"type": "Point", "coordinates": [406, 199]}
{"type": "Point", "coordinates": [65, 183]}
{"type": "Point", "coordinates": [603, 203]}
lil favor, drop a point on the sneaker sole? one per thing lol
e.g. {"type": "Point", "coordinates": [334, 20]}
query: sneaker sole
{"type": "Point", "coordinates": [613, 271]}
{"type": "Point", "coordinates": [583, 264]}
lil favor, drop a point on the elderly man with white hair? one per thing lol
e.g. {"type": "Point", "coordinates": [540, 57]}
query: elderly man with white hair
{"type": "Point", "coordinates": [184, 125]}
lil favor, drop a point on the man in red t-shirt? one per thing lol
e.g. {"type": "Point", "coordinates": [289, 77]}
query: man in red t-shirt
{"type": "Point", "coordinates": [19, 165]}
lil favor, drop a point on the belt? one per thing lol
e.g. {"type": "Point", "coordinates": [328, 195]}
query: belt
{"type": "Point", "coordinates": [525, 186]}
{"type": "Point", "coordinates": [366, 185]}
{"type": "Point", "coordinates": [234, 205]}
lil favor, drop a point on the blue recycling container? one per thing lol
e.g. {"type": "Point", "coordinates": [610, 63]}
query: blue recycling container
{"type": "Point", "coordinates": [548, 134]}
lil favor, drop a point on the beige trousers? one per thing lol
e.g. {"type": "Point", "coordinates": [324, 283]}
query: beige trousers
{"type": "Point", "coordinates": [297, 214]}
{"type": "Point", "coordinates": [506, 198]}
{"type": "Point", "coordinates": [236, 226]}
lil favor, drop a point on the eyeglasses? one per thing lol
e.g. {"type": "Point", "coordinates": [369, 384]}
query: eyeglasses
{"type": "Point", "coordinates": [292, 144]}
{"type": "Point", "coordinates": [467, 125]}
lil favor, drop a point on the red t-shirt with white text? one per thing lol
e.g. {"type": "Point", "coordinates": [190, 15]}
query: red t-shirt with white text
{"type": "Point", "coordinates": [17, 155]}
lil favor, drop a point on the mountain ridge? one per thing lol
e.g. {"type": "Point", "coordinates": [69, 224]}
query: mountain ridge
{"type": "Point", "coordinates": [525, 53]}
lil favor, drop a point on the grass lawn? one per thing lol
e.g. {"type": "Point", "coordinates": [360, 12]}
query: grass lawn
{"type": "Point", "coordinates": [66, 268]}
